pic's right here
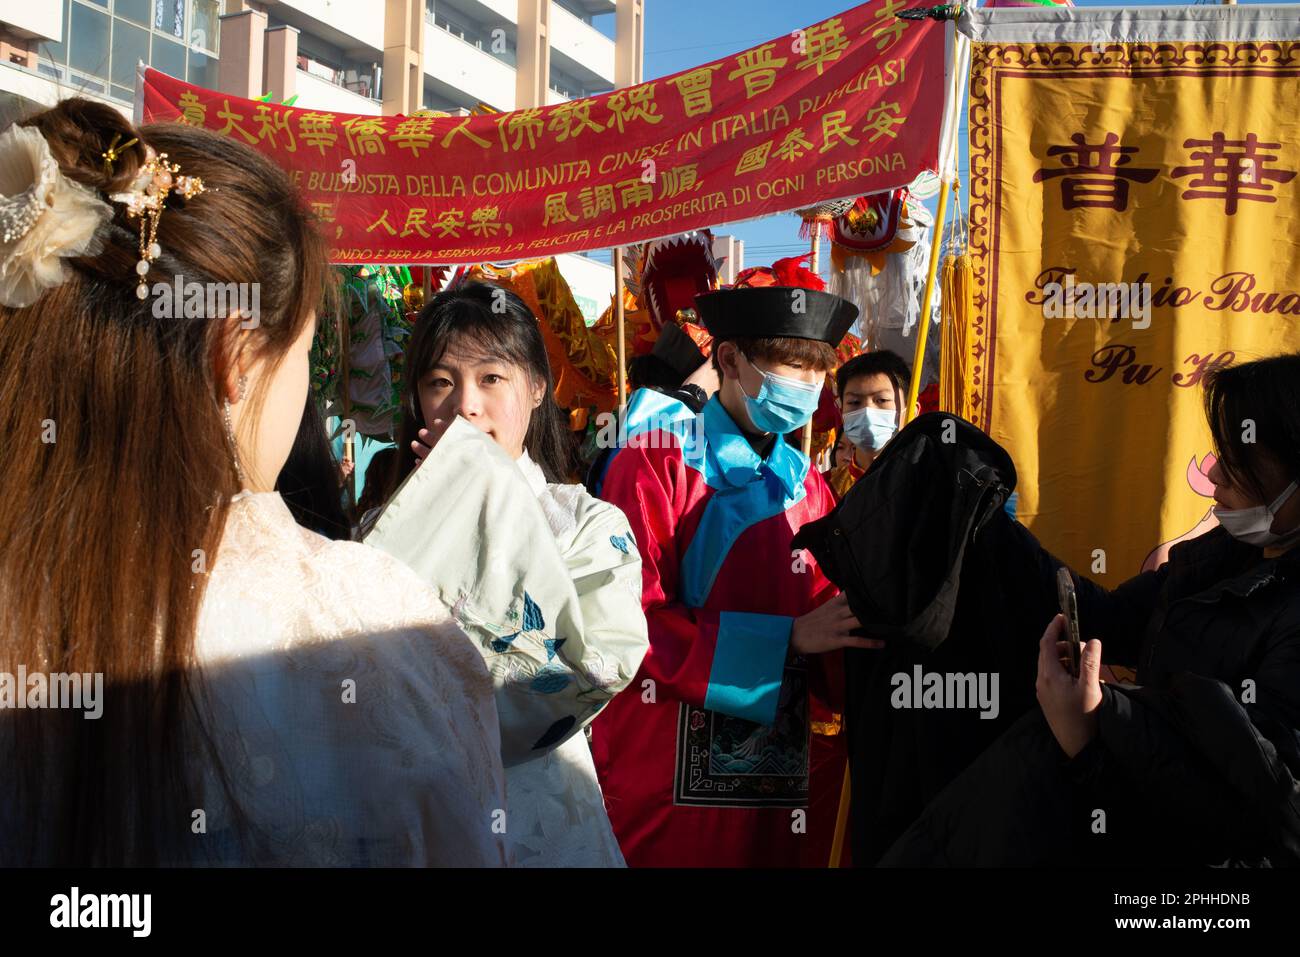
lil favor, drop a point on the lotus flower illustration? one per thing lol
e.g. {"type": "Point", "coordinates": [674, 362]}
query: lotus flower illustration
{"type": "Point", "coordinates": [1199, 481]}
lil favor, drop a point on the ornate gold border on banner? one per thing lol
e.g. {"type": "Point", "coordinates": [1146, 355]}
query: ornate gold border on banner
{"type": "Point", "coordinates": [1050, 60]}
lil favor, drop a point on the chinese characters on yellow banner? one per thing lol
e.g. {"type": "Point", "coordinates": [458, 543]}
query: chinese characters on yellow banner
{"type": "Point", "coordinates": [1133, 227]}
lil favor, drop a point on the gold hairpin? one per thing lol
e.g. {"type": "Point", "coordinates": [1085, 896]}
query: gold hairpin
{"type": "Point", "coordinates": [110, 154]}
{"type": "Point", "coordinates": [156, 180]}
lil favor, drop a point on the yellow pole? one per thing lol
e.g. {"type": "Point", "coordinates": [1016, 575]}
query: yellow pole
{"type": "Point", "coordinates": [842, 816]}
{"type": "Point", "coordinates": [816, 268]}
{"type": "Point", "coordinates": [923, 322]}
{"type": "Point", "coordinates": [622, 334]}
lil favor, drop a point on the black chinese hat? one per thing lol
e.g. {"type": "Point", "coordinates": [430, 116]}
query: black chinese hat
{"type": "Point", "coordinates": [677, 350]}
{"type": "Point", "coordinates": [790, 312]}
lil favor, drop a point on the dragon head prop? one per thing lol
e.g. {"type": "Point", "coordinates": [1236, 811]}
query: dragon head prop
{"type": "Point", "coordinates": [667, 275]}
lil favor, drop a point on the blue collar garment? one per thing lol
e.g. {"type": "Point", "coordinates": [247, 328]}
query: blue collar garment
{"type": "Point", "coordinates": [724, 457]}
{"type": "Point", "coordinates": [735, 461]}
{"type": "Point", "coordinates": [749, 488]}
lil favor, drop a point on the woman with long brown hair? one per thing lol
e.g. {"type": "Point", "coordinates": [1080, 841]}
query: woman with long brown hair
{"type": "Point", "coordinates": [268, 696]}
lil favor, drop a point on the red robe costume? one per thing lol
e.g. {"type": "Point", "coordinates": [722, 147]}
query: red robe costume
{"type": "Point", "coordinates": [726, 750]}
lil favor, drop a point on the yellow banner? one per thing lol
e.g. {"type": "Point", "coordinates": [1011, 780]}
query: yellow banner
{"type": "Point", "coordinates": [1135, 222]}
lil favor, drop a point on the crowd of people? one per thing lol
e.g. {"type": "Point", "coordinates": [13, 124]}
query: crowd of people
{"type": "Point", "coordinates": [503, 658]}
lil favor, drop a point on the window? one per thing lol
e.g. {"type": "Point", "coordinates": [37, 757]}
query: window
{"type": "Point", "coordinates": [203, 70]}
{"type": "Point", "coordinates": [168, 57]}
{"type": "Point", "coordinates": [205, 26]}
{"type": "Point", "coordinates": [105, 39]}
{"type": "Point", "coordinates": [130, 45]}
{"type": "Point", "coordinates": [576, 9]}
{"type": "Point", "coordinates": [137, 11]}
{"type": "Point", "coordinates": [88, 40]}
{"type": "Point", "coordinates": [86, 84]}
{"type": "Point", "coordinates": [455, 29]}
{"type": "Point", "coordinates": [169, 17]}
{"type": "Point", "coordinates": [56, 52]}
{"type": "Point", "coordinates": [567, 85]}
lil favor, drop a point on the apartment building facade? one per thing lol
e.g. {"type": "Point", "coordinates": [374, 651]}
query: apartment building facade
{"type": "Point", "coordinates": [353, 56]}
{"type": "Point", "coordinates": [504, 54]}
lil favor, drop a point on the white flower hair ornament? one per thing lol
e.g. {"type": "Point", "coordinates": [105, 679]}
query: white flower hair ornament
{"type": "Point", "coordinates": [44, 218]}
{"type": "Point", "coordinates": [144, 200]}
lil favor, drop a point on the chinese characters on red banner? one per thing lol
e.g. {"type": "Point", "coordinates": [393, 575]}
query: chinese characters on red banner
{"type": "Point", "coordinates": [837, 109]}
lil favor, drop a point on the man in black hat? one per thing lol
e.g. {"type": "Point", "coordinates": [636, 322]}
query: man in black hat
{"type": "Point", "coordinates": [726, 750]}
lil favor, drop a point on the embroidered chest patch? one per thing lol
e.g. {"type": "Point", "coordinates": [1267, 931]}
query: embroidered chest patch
{"type": "Point", "coordinates": [724, 761]}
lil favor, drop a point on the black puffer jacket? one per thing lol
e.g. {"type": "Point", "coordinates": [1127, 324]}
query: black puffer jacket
{"type": "Point", "coordinates": [1196, 764]}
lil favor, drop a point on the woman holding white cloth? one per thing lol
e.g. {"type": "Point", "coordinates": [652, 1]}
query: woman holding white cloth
{"type": "Point", "coordinates": [544, 578]}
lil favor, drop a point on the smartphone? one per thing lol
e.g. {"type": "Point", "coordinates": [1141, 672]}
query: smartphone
{"type": "Point", "coordinates": [1070, 609]}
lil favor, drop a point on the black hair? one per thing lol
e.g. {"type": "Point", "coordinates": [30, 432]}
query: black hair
{"type": "Point", "coordinates": [375, 490]}
{"type": "Point", "coordinates": [310, 483]}
{"type": "Point", "coordinates": [649, 371]}
{"type": "Point", "coordinates": [1252, 406]}
{"type": "Point", "coordinates": [497, 323]}
{"type": "Point", "coordinates": [880, 362]}
{"type": "Point", "coordinates": [792, 350]}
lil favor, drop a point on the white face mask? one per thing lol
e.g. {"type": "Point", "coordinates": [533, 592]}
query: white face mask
{"type": "Point", "coordinates": [1254, 525]}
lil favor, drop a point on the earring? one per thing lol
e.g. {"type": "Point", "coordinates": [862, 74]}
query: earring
{"type": "Point", "coordinates": [230, 429]}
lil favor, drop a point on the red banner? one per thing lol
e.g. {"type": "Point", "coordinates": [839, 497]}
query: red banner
{"type": "Point", "coordinates": [830, 111]}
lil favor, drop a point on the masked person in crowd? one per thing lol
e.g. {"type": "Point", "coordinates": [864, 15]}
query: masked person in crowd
{"type": "Point", "coordinates": [842, 454]}
{"type": "Point", "coordinates": [732, 726]}
{"type": "Point", "coordinates": [871, 389]}
{"type": "Point", "coordinates": [483, 418]}
{"type": "Point", "coordinates": [841, 457]}
{"type": "Point", "coordinates": [269, 696]}
{"type": "Point", "coordinates": [1198, 762]}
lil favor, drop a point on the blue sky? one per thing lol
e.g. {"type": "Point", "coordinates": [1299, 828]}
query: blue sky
{"type": "Point", "coordinates": [685, 33]}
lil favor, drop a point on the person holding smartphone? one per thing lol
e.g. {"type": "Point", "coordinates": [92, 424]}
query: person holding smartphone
{"type": "Point", "coordinates": [1197, 763]}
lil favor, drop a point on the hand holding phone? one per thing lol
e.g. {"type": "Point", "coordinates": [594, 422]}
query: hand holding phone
{"type": "Point", "coordinates": [1070, 609]}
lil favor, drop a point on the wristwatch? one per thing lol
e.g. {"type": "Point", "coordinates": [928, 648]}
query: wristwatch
{"type": "Point", "coordinates": [693, 396]}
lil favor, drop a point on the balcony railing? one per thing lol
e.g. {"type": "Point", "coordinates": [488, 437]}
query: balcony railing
{"type": "Point", "coordinates": [357, 80]}
{"type": "Point", "coordinates": [485, 42]}
{"type": "Point", "coordinates": [582, 43]}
